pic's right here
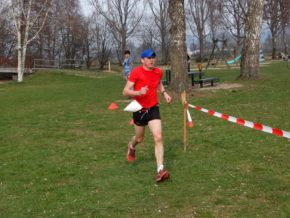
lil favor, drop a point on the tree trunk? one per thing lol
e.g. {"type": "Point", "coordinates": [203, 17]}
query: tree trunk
{"type": "Point", "coordinates": [19, 66]}
{"type": "Point", "coordinates": [123, 47]}
{"type": "Point", "coordinates": [163, 50]}
{"type": "Point", "coordinates": [274, 44]}
{"type": "Point", "coordinates": [201, 47]}
{"type": "Point", "coordinates": [250, 54]}
{"type": "Point", "coordinates": [285, 42]}
{"type": "Point", "coordinates": [23, 58]}
{"type": "Point", "coordinates": [19, 54]}
{"type": "Point", "coordinates": [178, 47]}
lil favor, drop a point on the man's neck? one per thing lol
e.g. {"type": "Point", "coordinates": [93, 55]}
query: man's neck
{"type": "Point", "coordinates": [148, 69]}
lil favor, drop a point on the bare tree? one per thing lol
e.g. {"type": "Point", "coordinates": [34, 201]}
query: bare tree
{"type": "Point", "coordinates": [64, 36]}
{"type": "Point", "coordinates": [7, 37]}
{"type": "Point", "coordinates": [88, 41]}
{"type": "Point", "coordinates": [42, 47]}
{"type": "Point", "coordinates": [272, 16]}
{"type": "Point", "coordinates": [216, 20]}
{"type": "Point", "coordinates": [198, 15]}
{"type": "Point", "coordinates": [234, 13]}
{"type": "Point", "coordinates": [103, 41]}
{"type": "Point", "coordinates": [50, 34]}
{"type": "Point", "coordinates": [285, 21]}
{"type": "Point", "coordinates": [178, 47]}
{"type": "Point", "coordinates": [72, 29]}
{"type": "Point", "coordinates": [250, 53]}
{"type": "Point", "coordinates": [122, 17]}
{"type": "Point", "coordinates": [149, 36]}
{"type": "Point", "coordinates": [25, 19]}
{"type": "Point", "coordinates": [161, 19]}
{"type": "Point", "coordinates": [3, 24]}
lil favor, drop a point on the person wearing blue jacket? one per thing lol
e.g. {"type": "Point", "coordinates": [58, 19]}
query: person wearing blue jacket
{"type": "Point", "coordinates": [127, 64]}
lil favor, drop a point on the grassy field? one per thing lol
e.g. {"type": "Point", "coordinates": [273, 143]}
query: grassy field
{"type": "Point", "coordinates": [62, 152]}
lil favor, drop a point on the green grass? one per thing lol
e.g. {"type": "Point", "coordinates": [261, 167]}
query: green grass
{"type": "Point", "coordinates": [62, 153]}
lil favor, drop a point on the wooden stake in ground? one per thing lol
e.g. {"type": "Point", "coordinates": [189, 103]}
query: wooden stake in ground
{"type": "Point", "coordinates": [109, 65]}
{"type": "Point", "coordinates": [184, 103]}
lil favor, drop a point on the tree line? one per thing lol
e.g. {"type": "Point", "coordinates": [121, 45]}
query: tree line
{"type": "Point", "coordinates": [58, 29]}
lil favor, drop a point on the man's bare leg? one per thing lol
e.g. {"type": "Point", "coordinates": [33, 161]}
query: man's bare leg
{"type": "Point", "coordinates": [139, 135]}
{"type": "Point", "coordinates": [137, 138]}
{"type": "Point", "coordinates": [156, 130]}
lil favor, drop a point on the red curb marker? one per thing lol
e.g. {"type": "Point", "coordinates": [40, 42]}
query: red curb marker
{"type": "Point", "coordinates": [242, 122]}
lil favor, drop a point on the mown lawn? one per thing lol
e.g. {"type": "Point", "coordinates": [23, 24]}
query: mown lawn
{"type": "Point", "coordinates": [62, 152]}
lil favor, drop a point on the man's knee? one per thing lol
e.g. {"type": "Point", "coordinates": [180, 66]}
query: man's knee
{"type": "Point", "coordinates": [139, 139]}
{"type": "Point", "coordinates": [157, 137]}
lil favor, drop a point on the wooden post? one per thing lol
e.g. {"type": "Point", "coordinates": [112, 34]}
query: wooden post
{"type": "Point", "coordinates": [183, 99]}
{"type": "Point", "coordinates": [199, 66]}
{"type": "Point", "coordinates": [109, 65]}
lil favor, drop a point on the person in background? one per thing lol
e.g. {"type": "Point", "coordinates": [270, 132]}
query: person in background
{"type": "Point", "coordinates": [127, 64]}
{"type": "Point", "coordinates": [143, 83]}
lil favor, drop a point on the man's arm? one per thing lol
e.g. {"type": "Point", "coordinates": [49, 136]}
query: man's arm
{"type": "Point", "coordinates": [166, 96]}
{"type": "Point", "coordinates": [130, 92]}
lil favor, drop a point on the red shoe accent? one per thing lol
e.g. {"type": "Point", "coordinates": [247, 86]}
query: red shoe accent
{"type": "Point", "coordinates": [162, 175]}
{"type": "Point", "coordinates": [131, 154]}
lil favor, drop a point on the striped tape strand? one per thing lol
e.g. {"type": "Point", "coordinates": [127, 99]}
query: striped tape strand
{"type": "Point", "coordinates": [190, 124]}
{"type": "Point", "coordinates": [242, 122]}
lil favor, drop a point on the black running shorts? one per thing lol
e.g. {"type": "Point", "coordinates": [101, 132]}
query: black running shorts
{"type": "Point", "coordinates": [142, 117]}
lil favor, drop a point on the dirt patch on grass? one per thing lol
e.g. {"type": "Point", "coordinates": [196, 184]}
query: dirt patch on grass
{"type": "Point", "coordinates": [222, 86]}
{"type": "Point", "coordinates": [198, 92]}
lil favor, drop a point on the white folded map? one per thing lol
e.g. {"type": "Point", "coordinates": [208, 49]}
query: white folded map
{"type": "Point", "coordinates": [133, 106]}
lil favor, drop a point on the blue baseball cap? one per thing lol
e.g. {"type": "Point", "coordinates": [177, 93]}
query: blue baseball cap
{"type": "Point", "coordinates": [148, 53]}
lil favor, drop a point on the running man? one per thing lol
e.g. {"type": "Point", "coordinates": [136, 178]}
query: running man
{"type": "Point", "coordinates": [143, 83]}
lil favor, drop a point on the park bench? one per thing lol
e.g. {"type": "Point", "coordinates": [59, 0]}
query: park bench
{"type": "Point", "coordinates": [210, 80]}
{"type": "Point", "coordinates": [198, 77]}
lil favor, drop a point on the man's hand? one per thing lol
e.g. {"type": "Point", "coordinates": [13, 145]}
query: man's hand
{"type": "Point", "coordinates": [143, 90]}
{"type": "Point", "coordinates": [167, 97]}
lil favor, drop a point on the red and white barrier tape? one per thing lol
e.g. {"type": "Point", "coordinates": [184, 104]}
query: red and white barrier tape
{"type": "Point", "coordinates": [243, 122]}
{"type": "Point", "coordinates": [190, 124]}
{"type": "Point", "coordinates": [189, 120]}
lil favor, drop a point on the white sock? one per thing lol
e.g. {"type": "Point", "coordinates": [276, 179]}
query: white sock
{"type": "Point", "coordinates": [160, 168]}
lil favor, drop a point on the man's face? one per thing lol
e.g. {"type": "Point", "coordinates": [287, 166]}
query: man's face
{"type": "Point", "coordinates": [148, 63]}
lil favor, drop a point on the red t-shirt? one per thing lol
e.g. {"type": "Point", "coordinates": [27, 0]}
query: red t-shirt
{"type": "Point", "coordinates": [151, 78]}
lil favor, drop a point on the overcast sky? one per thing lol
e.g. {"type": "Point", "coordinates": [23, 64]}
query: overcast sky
{"type": "Point", "coordinates": [86, 8]}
